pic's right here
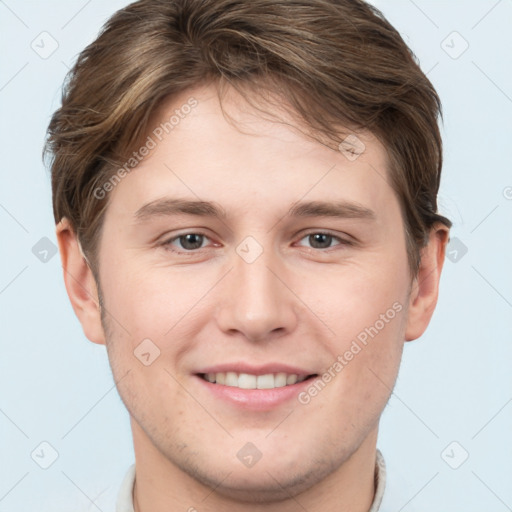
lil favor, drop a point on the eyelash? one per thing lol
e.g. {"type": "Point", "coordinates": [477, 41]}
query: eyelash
{"type": "Point", "coordinates": [167, 243]}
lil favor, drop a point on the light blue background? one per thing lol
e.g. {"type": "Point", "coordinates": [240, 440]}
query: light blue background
{"type": "Point", "coordinates": [456, 381]}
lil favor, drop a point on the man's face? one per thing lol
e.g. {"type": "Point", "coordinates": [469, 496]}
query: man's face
{"type": "Point", "coordinates": [256, 292]}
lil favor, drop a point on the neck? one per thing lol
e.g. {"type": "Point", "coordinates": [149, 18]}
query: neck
{"type": "Point", "coordinates": [161, 486]}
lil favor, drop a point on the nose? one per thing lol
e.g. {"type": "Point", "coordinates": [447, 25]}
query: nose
{"type": "Point", "coordinates": [255, 300]}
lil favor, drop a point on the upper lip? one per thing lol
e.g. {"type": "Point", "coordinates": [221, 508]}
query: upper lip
{"type": "Point", "coordinates": [241, 367]}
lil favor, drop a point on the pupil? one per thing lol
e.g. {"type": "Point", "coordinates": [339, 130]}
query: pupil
{"type": "Point", "coordinates": [321, 237]}
{"type": "Point", "coordinates": [191, 241]}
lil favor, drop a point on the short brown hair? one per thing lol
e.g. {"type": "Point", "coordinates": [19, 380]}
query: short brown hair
{"type": "Point", "coordinates": [335, 62]}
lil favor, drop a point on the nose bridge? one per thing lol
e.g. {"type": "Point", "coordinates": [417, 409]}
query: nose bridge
{"type": "Point", "coordinates": [257, 303]}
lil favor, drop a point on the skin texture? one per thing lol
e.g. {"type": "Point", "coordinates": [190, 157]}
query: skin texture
{"type": "Point", "coordinates": [299, 303]}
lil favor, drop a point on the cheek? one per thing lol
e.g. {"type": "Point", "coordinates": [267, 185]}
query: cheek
{"type": "Point", "coordinates": [153, 311]}
{"type": "Point", "coordinates": [363, 371]}
{"type": "Point", "coordinates": [149, 302]}
{"type": "Point", "coordinates": [355, 299]}
{"type": "Point", "coordinates": [367, 311]}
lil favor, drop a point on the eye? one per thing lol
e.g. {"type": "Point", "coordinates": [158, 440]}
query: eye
{"type": "Point", "coordinates": [191, 242]}
{"type": "Point", "coordinates": [188, 242]}
{"type": "Point", "coordinates": [321, 240]}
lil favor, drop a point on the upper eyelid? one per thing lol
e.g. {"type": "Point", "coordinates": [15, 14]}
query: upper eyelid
{"type": "Point", "coordinates": [168, 241]}
{"type": "Point", "coordinates": [323, 232]}
{"type": "Point", "coordinates": [190, 232]}
{"type": "Point", "coordinates": [342, 241]}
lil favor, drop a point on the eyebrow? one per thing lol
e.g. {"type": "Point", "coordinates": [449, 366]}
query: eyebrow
{"type": "Point", "coordinates": [172, 206]}
{"type": "Point", "coordinates": [176, 206]}
{"type": "Point", "coordinates": [339, 209]}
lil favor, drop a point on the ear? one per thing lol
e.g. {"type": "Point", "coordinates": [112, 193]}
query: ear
{"type": "Point", "coordinates": [80, 283]}
{"type": "Point", "coordinates": [425, 286]}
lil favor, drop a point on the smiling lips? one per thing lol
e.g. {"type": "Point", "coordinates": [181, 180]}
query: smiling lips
{"type": "Point", "coordinates": [251, 381]}
{"type": "Point", "coordinates": [246, 376]}
{"type": "Point", "coordinates": [254, 388]}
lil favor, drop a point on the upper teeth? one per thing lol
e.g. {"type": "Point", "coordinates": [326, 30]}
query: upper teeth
{"type": "Point", "coordinates": [248, 381]}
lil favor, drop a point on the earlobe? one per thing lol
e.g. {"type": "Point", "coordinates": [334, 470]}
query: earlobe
{"type": "Point", "coordinates": [425, 288]}
{"type": "Point", "coordinates": [80, 283]}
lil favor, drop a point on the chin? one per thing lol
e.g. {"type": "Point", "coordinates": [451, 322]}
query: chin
{"type": "Point", "coordinates": [273, 478]}
{"type": "Point", "coordinates": [264, 485]}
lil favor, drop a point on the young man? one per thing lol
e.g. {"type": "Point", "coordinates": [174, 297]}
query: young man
{"type": "Point", "coordinates": [245, 197]}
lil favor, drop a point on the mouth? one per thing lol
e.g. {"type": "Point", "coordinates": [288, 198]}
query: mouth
{"type": "Point", "coordinates": [253, 387]}
{"type": "Point", "coordinates": [253, 381]}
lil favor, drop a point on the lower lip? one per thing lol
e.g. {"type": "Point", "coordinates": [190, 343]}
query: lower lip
{"type": "Point", "coordinates": [256, 399]}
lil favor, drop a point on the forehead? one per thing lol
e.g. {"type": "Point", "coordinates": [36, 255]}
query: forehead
{"type": "Point", "coordinates": [243, 157]}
